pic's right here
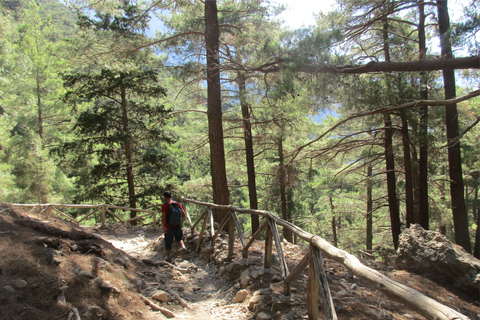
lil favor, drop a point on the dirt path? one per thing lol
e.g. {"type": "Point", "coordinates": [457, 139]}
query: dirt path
{"type": "Point", "coordinates": [207, 293]}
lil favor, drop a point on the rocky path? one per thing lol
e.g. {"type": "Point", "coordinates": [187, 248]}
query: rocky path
{"type": "Point", "coordinates": [206, 294]}
{"type": "Point", "coordinates": [89, 279]}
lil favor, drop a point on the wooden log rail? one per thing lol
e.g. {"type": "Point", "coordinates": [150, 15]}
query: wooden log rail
{"type": "Point", "coordinates": [317, 281]}
{"type": "Point", "coordinates": [105, 208]}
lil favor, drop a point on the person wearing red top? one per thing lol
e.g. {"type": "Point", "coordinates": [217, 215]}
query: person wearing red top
{"type": "Point", "coordinates": [171, 232]}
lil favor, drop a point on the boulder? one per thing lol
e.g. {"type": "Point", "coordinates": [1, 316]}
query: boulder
{"type": "Point", "coordinates": [255, 300]}
{"type": "Point", "coordinates": [207, 253]}
{"type": "Point", "coordinates": [240, 297]}
{"type": "Point", "coordinates": [236, 268]}
{"type": "Point", "coordinates": [19, 283]}
{"type": "Point", "coordinates": [162, 296]}
{"type": "Point", "coordinates": [281, 303]}
{"type": "Point", "coordinates": [244, 279]}
{"type": "Point", "coordinates": [263, 316]}
{"type": "Point", "coordinates": [431, 254]}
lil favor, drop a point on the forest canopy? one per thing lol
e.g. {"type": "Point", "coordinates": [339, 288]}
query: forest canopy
{"type": "Point", "coordinates": [353, 128]}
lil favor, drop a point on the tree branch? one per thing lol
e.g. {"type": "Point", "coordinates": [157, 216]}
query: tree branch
{"type": "Point", "coordinates": [431, 103]}
{"type": "Point", "coordinates": [426, 65]}
{"type": "Point", "coordinates": [168, 115]}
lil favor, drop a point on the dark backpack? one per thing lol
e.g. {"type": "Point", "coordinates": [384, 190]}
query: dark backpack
{"type": "Point", "coordinates": [174, 214]}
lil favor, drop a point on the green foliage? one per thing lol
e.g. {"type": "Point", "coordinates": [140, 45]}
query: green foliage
{"type": "Point", "coordinates": [33, 117]}
{"type": "Point", "coordinates": [125, 107]}
{"type": "Point", "coordinates": [115, 99]}
{"type": "Point", "coordinates": [128, 24]}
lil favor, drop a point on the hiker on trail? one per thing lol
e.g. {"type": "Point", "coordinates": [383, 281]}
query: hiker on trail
{"type": "Point", "coordinates": [172, 220]}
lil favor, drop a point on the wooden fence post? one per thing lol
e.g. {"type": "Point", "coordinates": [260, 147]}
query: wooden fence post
{"type": "Point", "coordinates": [155, 221]}
{"type": "Point", "coordinates": [204, 225]}
{"type": "Point", "coordinates": [312, 288]}
{"type": "Point", "coordinates": [222, 224]}
{"type": "Point", "coordinates": [212, 223]}
{"type": "Point", "coordinates": [231, 234]}
{"type": "Point", "coordinates": [255, 236]}
{"type": "Point", "coordinates": [184, 205]}
{"type": "Point", "coordinates": [278, 245]}
{"type": "Point", "coordinates": [321, 277]}
{"type": "Point", "coordinates": [287, 284]}
{"type": "Point", "coordinates": [268, 247]}
{"type": "Point", "coordinates": [239, 228]}
{"type": "Point", "coordinates": [103, 216]}
{"type": "Point", "coordinates": [198, 221]}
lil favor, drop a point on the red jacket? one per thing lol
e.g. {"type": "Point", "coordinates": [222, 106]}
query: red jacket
{"type": "Point", "coordinates": [165, 211]}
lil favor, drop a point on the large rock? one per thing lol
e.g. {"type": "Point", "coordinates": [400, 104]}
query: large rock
{"type": "Point", "coordinates": [162, 296]}
{"type": "Point", "coordinates": [240, 296]}
{"type": "Point", "coordinates": [430, 254]}
{"type": "Point", "coordinates": [236, 268]}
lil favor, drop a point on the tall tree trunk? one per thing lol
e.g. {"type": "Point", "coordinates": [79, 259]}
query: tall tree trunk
{"type": "Point", "coordinates": [214, 111]}
{"type": "Point", "coordinates": [287, 233]}
{"type": "Point", "coordinates": [460, 219]}
{"type": "Point", "coordinates": [391, 181]}
{"type": "Point", "coordinates": [423, 214]}
{"type": "Point", "coordinates": [476, 251]}
{"type": "Point", "coordinates": [333, 223]}
{"type": "Point", "coordinates": [476, 213]}
{"type": "Point", "coordinates": [247, 135]}
{"type": "Point", "coordinates": [42, 194]}
{"type": "Point", "coordinates": [408, 171]}
{"type": "Point", "coordinates": [389, 157]}
{"type": "Point", "coordinates": [132, 201]}
{"type": "Point", "coordinates": [39, 107]}
{"type": "Point", "coordinates": [369, 208]}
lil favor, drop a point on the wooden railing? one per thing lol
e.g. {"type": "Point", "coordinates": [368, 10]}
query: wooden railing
{"type": "Point", "coordinates": [104, 208]}
{"type": "Point", "coordinates": [317, 280]}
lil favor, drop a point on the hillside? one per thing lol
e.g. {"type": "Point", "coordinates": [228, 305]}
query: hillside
{"type": "Point", "coordinates": [51, 269]}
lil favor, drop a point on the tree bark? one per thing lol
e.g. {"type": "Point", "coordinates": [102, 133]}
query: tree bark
{"type": "Point", "coordinates": [409, 206]}
{"type": "Point", "coordinates": [476, 215]}
{"type": "Point", "coordinates": [423, 209]}
{"type": "Point", "coordinates": [382, 66]}
{"type": "Point", "coordinates": [369, 208]}
{"type": "Point", "coordinates": [39, 107]}
{"type": "Point", "coordinates": [247, 135]}
{"type": "Point", "coordinates": [132, 201]}
{"type": "Point", "coordinates": [391, 181]}
{"type": "Point", "coordinates": [460, 219]}
{"type": "Point", "coordinates": [215, 127]}
{"type": "Point", "coordinates": [476, 251]}
{"type": "Point", "coordinates": [389, 156]}
{"type": "Point", "coordinates": [287, 234]}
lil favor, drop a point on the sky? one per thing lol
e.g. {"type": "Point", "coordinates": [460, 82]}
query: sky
{"type": "Point", "coordinates": [300, 13]}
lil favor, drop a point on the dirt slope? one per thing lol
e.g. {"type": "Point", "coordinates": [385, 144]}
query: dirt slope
{"type": "Point", "coordinates": [52, 269]}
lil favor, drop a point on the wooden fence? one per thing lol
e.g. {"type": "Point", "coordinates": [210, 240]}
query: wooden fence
{"type": "Point", "coordinates": [317, 280]}
{"type": "Point", "coordinates": [104, 208]}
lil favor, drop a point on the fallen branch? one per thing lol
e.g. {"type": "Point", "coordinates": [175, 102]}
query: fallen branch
{"type": "Point", "coordinates": [74, 315]}
{"type": "Point", "coordinates": [167, 313]}
{"type": "Point", "coordinates": [183, 303]}
{"type": "Point", "coordinates": [164, 264]}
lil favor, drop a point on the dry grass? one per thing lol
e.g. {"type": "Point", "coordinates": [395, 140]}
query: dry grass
{"type": "Point", "coordinates": [23, 259]}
